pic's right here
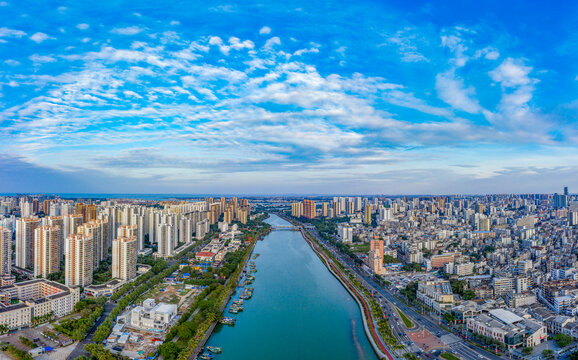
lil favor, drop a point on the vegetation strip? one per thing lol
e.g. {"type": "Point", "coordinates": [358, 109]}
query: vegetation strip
{"type": "Point", "coordinates": [406, 321]}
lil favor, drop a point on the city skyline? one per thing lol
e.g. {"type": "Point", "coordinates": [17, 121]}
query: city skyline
{"type": "Point", "coordinates": [288, 98]}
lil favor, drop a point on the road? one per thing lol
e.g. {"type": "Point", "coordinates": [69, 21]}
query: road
{"type": "Point", "coordinates": [108, 306]}
{"type": "Point", "coordinates": [79, 349]}
{"type": "Point", "coordinates": [459, 346]}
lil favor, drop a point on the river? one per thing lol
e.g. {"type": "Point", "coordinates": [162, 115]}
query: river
{"type": "Point", "coordinates": [298, 309]}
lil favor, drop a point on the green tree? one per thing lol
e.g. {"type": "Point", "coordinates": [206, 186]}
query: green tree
{"type": "Point", "coordinates": [563, 340]}
{"type": "Point", "coordinates": [547, 353]}
{"type": "Point", "coordinates": [169, 351]}
{"type": "Point", "coordinates": [527, 350]}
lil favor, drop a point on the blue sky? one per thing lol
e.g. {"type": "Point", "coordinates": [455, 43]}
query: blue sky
{"type": "Point", "coordinates": [288, 97]}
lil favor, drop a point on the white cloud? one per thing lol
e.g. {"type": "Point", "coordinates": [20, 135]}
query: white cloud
{"type": "Point", "coordinates": [82, 26]}
{"type": "Point", "coordinates": [5, 32]}
{"type": "Point", "coordinates": [175, 23]}
{"type": "Point", "coordinates": [131, 30]}
{"type": "Point", "coordinates": [4, 3]}
{"type": "Point", "coordinates": [265, 30]}
{"type": "Point", "coordinates": [457, 46]}
{"type": "Point", "coordinates": [451, 90]}
{"type": "Point", "coordinates": [272, 42]}
{"type": "Point", "coordinates": [511, 73]}
{"type": "Point", "coordinates": [41, 58]}
{"type": "Point", "coordinates": [40, 37]}
{"type": "Point", "coordinates": [407, 41]}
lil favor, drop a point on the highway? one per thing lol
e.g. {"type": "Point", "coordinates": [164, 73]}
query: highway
{"type": "Point", "coordinates": [459, 346]}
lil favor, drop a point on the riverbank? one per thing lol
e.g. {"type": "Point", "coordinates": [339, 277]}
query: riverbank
{"type": "Point", "coordinates": [369, 322]}
{"type": "Point", "coordinates": [200, 347]}
{"type": "Point", "coordinates": [298, 309]}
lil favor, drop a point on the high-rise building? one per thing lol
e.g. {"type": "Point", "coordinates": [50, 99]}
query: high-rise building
{"type": "Point", "coordinates": [46, 247]}
{"type": "Point", "coordinates": [367, 217]}
{"type": "Point", "coordinates": [58, 221]}
{"type": "Point", "coordinates": [375, 256]}
{"type": "Point", "coordinates": [78, 260]}
{"type": "Point", "coordinates": [297, 209]}
{"type": "Point", "coordinates": [25, 241]}
{"type": "Point", "coordinates": [324, 208]}
{"type": "Point", "coordinates": [308, 209]}
{"type": "Point", "coordinates": [71, 224]}
{"type": "Point", "coordinates": [5, 251]}
{"type": "Point", "coordinates": [166, 243]}
{"type": "Point", "coordinates": [97, 229]}
{"type": "Point", "coordinates": [124, 256]}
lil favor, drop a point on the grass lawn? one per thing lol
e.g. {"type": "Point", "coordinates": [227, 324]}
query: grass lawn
{"type": "Point", "coordinates": [406, 321]}
{"type": "Point", "coordinates": [449, 356]}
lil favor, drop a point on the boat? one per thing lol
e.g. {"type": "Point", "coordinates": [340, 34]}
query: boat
{"type": "Point", "coordinates": [233, 310]}
{"type": "Point", "coordinates": [228, 321]}
{"type": "Point", "coordinates": [238, 301]}
{"type": "Point", "coordinates": [206, 356]}
{"type": "Point", "coordinates": [215, 349]}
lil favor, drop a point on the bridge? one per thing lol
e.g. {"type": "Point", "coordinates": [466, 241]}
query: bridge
{"type": "Point", "coordinates": [287, 227]}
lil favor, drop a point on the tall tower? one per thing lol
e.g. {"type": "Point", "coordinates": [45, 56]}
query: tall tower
{"type": "Point", "coordinates": [166, 243]}
{"type": "Point", "coordinates": [58, 221]}
{"type": "Point", "coordinates": [309, 209]}
{"type": "Point", "coordinates": [78, 260]}
{"type": "Point", "coordinates": [5, 251]}
{"type": "Point", "coordinates": [25, 241]}
{"type": "Point", "coordinates": [368, 214]}
{"type": "Point", "coordinates": [46, 246]}
{"type": "Point", "coordinates": [124, 255]}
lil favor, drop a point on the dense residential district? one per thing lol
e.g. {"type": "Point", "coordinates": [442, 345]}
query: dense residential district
{"type": "Point", "coordinates": [454, 277]}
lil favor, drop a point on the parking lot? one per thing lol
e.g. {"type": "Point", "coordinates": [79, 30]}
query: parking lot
{"type": "Point", "coordinates": [38, 336]}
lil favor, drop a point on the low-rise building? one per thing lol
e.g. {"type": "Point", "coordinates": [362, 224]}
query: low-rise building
{"type": "Point", "coordinates": [436, 294]}
{"type": "Point", "coordinates": [508, 328]}
{"type": "Point", "coordinates": [21, 302]}
{"type": "Point", "coordinates": [153, 317]}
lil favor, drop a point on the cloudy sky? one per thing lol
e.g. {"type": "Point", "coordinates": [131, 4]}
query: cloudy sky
{"type": "Point", "coordinates": [311, 97]}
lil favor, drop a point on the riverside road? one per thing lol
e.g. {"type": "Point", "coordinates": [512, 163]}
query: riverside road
{"type": "Point", "coordinates": [459, 346]}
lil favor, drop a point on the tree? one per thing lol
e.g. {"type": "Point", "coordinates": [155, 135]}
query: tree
{"type": "Point", "coordinates": [547, 353]}
{"type": "Point", "coordinates": [449, 317]}
{"type": "Point", "coordinates": [469, 294]}
{"type": "Point", "coordinates": [527, 350]}
{"type": "Point", "coordinates": [563, 340]}
{"type": "Point", "coordinates": [169, 351]}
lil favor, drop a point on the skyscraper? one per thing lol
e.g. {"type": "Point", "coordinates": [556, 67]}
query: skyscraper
{"type": "Point", "coordinates": [124, 256]}
{"type": "Point", "coordinates": [5, 251]}
{"type": "Point", "coordinates": [309, 209]}
{"type": "Point", "coordinates": [78, 260]}
{"type": "Point", "coordinates": [58, 221]}
{"type": "Point", "coordinates": [46, 247]}
{"type": "Point", "coordinates": [166, 243]}
{"type": "Point", "coordinates": [368, 214]}
{"type": "Point", "coordinates": [25, 241]}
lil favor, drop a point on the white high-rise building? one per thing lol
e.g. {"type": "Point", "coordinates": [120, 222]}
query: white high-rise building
{"type": "Point", "coordinates": [78, 260]}
{"type": "Point", "coordinates": [5, 251]}
{"type": "Point", "coordinates": [124, 257]}
{"type": "Point", "coordinates": [166, 241]}
{"type": "Point", "coordinates": [46, 247]}
{"type": "Point", "coordinates": [25, 241]}
{"type": "Point", "coordinates": [98, 230]}
{"type": "Point", "coordinates": [58, 221]}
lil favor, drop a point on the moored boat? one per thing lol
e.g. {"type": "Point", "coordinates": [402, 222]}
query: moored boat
{"type": "Point", "coordinates": [215, 349]}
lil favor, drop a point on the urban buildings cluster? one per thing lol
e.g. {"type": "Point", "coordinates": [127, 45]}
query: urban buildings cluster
{"type": "Point", "coordinates": [504, 266]}
{"type": "Point", "coordinates": [42, 237]}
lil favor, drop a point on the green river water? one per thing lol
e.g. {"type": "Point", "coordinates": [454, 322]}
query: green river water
{"type": "Point", "coordinates": [298, 309]}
